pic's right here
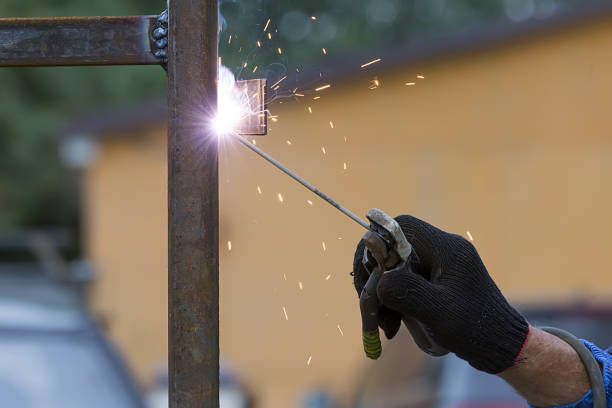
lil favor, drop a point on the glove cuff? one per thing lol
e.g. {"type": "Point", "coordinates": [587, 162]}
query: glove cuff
{"type": "Point", "coordinates": [503, 345]}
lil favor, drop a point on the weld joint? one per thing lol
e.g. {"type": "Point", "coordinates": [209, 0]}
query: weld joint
{"type": "Point", "coordinates": [158, 37]}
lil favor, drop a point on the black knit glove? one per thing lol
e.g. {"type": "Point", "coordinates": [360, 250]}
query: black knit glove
{"type": "Point", "coordinates": [465, 310]}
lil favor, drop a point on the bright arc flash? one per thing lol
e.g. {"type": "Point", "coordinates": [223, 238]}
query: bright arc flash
{"type": "Point", "coordinates": [232, 104]}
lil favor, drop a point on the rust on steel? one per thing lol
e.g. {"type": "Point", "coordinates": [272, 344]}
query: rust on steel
{"type": "Point", "coordinates": [76, 41]}
{"type": "Point", "coordinates": [255, 123]}
{"type": "Point", "coordinates": [193, 206]}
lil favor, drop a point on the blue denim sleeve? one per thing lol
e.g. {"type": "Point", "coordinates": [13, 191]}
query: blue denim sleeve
{"type": "Point", "coordinates": [605, 360]}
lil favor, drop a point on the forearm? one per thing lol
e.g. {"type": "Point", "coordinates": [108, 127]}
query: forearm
{"type": "Point", "coordinates": [549, 372]}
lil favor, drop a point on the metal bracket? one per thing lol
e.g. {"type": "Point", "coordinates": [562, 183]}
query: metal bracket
{"type": "Point", "coordinates": [158, 38]}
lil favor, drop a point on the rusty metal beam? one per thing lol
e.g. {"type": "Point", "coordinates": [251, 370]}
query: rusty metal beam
{"type": "Point", "coordinates": [193, 206]}
{"type": "Point", "coordinates": [76, 41]}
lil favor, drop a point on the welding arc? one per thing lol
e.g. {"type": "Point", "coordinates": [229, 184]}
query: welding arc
{"type": "Point", "coordinates": [301, 181]}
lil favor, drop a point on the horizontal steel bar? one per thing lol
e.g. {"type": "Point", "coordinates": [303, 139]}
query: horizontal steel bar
{"type": "Point", "coordinates": [76, 41]}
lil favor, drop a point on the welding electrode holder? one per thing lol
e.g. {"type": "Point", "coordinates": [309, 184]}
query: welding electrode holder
{"type": "Point", "coordinates": [386, 248]}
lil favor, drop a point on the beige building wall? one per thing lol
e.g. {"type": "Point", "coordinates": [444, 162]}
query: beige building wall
{"type": "Point", "coordinates": [513, 145]}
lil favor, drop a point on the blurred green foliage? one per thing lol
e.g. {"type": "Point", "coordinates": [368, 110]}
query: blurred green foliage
{"type": "Point", "coordinates": [301, 28]}
{"type": "Point", "coordinates": [35, 187]}
{"type": "Point", "coordinates": [37, 190]}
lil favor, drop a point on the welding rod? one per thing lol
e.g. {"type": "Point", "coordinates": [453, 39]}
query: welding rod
{"type": "Point", "coordinates": [301, 181]}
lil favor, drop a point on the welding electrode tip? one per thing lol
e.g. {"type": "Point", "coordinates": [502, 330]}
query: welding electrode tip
{"type": "Point", "coordinates": [301, 181]}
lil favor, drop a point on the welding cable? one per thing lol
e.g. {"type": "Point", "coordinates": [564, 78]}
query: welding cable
{"type": "Point", "coordinates": [590, 364]}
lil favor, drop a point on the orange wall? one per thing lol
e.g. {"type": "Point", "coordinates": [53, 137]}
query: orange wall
{"type": "Point", "coordinates": [513, 145]}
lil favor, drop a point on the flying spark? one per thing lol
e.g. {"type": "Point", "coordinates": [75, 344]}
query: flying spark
{"type": "Point", "coordinates": [230, 39]}
{"type": "Point", "coordinates": [322, 87]}
{"type": "Point", "coordinates": [470, 235]}
{"type": "Point", "coordinates": [289, 142]}
{"type": "Point", "coordinates": [328, 277]}
{"type": "Point", "coordinates": [309, 202]}
{"type": "Point", "coordinates": [410, 83]}
{"type": "Point", "coordinates": [255, 69]}
{"type": "Point", "coordinates": [420, 77]}
{"type": "Point", "coordinates": [259, 189]}
{"type": "Point", "coordinates": [285, 312]}
{"type": "Point", "coordinates": [300, 284]}
{"type": "Point", "coordinates": [280, 51]}
{"type": "Point", "coordinates": [285, 276]}
{"type": "Point", "coordinates": [309, 109]}
{"type": "Point", "coordinates": [331, 124]}
{"type": "Point", "coordinates": [323, 150]}
{"type": "Point", "coordinates": [344, 165]}
{"type": "Point", "coordinates": [269, 36]}
{"type": "Point", "coordinates": [324, 246]}
{"type": "Point", "coordinates": [280, 80]}
{"type": "Point", "coordinates": [313, 18]}
{"type": "Point", "coordinates": [340, 330]}
{"type": "Point", "coordinates": [258, 44]}
{"type": "Point", "coordinates": [254, 142]}
{"type": "Point", "coordinates": [267, 24]}
{"type": "Point", "coordinates": [229, 245]}
{"type": "Point", "coordinates": [370, 63]}
{"type": "Point", "coordinates": [280, 197]}
{"type": "Point", "coordinates": [324, 51]}
{"type": "Point", "coordinates": [316, 97]}
{"type": "Point", "coordinates": [309, 359]}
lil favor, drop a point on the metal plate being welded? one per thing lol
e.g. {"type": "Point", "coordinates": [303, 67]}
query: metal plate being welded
{"type": "Point", "coordinates": [256, 123]}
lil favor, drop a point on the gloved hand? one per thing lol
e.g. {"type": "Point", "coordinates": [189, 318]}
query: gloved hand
{"type": "Point", "coordinates": [465, 310]}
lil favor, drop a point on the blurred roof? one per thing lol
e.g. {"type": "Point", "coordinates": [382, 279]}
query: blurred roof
{"type": "Point", "coordinates": [37, 302]}
{"type": "Point", "coordinates": [336, 70]}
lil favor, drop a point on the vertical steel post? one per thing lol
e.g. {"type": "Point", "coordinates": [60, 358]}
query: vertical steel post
{"type": "Point", "coordinates": [193, 206]}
